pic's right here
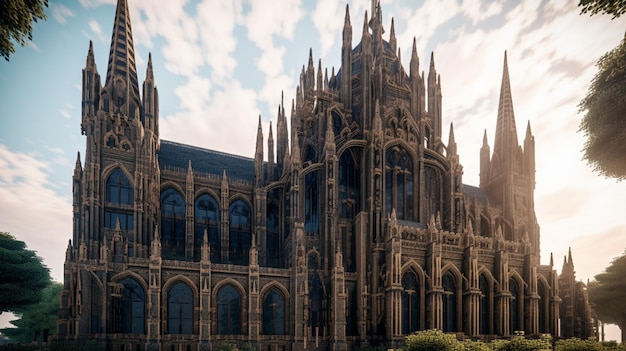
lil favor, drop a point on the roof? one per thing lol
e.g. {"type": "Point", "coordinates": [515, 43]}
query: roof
{"type": "Point", "coordinates": [480, 194]}
{"type": "Point", "coordinates": [178, 155]}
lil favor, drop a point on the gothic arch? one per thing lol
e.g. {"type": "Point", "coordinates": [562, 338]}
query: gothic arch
{"type": "Point", "coordinates": [180, 278]}
{"type": "Point", "coordinates": [225, 282]}
{"type": "Point", "coordinates": [175, 186]}
{"type": "Point", "coordinates": [544, 315]}
{"type": "Point", "coordinates": [129, 274]}
{"type": "Point", "coordinates": [350, 144]}
{"type": "Point", "coordinates": [206, 190]}
{"type": "Point", "coordinates": [275, 284]}
{"type": "Point", "coordinates": [108, 170]}
{"type": "Point", "coordinates": [313, 254]}
{"type": "Point", "coordinates": [411, 264]}
{"type": "Point", "coordinates": [238, 196]}
{"type": "Point", "coordinates": [452, 284]}
{"type": "Point", "coordinates": [452, 269]}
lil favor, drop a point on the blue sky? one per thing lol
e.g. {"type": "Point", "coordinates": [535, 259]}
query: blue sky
{"type": "Point", "coordinates": [219, 64]}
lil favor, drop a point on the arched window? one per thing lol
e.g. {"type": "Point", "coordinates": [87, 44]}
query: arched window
{"type": "Point", "coordinates": [131, 308]}
{"type": "Point", "coordinates": [515, 305]}
{"type": "Point", "coordinates": [119, 201]}
{"type": "Point", "coordinates": [274, 313]}
{"type": "Point", "coordinates": [228, 311]}
{"type": "Point", "coordinates": [272, 242]}
{"type": "Point", "coordinates": [240, 226]}
{"type": "Point", "coordinates": [449, 303]}
{"type": "Point", "coordinates": [311, 203]}
{"type": "Point", "coordinates": [544, 307]}
{"type": "Point", "coordinates": [348, 186]}
{"type": "Point", "coordinates": [399, 183]}
{"type": "Point", "coordinates": [485, 298]}
{"type": "Point", "coordinates": [207, 217]}
{"type": "Point", "coordinates": [433, 190]}
{"type": "Point", "coordinates": [96, 307]}
{"type": "Point", "coordinates": [410, 303]}
{"type": "Point", "coordinates": [173, 224]}
{"type": "Point", "coordinates": [180, 309]}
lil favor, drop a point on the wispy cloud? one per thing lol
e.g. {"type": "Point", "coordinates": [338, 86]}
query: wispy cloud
{"type": "Point", "coordinates": [97, 30]}
{"type": "Point", "coordinates": [60, 12]}
{"type": "Point", "coordinates": [26, 190]}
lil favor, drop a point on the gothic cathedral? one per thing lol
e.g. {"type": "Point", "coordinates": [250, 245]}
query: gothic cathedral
{"type": "Point", "coordinates": [356, 229]}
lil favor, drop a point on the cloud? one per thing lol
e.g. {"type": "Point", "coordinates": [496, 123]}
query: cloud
{"type": "Point", "coordinates": [97, 30]}
{"type": "Point", "coordinates": [31, 211]}
{"type": "Point", "coordinates": [60, 13]}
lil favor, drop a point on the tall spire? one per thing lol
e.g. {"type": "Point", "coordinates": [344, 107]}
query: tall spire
{"type": "Point", "coordinates": [505, 142]}
{"type": "Point", "coordinates": [121, 80]}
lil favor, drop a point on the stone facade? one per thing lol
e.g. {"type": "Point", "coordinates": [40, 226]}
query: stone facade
{"type": "Point", "coordinates": [355, 230]}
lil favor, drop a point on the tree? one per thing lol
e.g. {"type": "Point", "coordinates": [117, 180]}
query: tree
{"type": "Point", "coordinates": [22, 277]}
{"type": "Point", "coordinates": [38, 320]}
{"type": "Point", "coordinates": [611, 7]}
{"type": "Point", "coordinates": [604, 123]}
{"type": "Point", "coordinates": [608, 292]}
{"type": "Point", "coordinates": [16, 18]}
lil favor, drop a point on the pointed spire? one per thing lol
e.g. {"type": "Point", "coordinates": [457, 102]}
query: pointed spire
{"type": "Point", "coordinates": [365, 25]}
{"type": "Point", "coordinates": [205, 253]}
{"type": "Point", "coordinates": [551, 260]}
{"type": "Point", "coordinates": [392, 36]}
{"type": "Point", "coordinates": [347, 26]}
{"type": "Point", "coordinates": [451, 142]}
{"type": "Point", "coordinates": [505, 143]}
{"type": "Point", "coordinates": [485, 141]}
{"type": "Point", "coordinates": [149, 70]}
{"type": "Point", "coordinates": [122, 64]}
{"type": "Point", "coordinates": [570, 261]}
{"type": "Point", "coordinates": [91, 62]}
{"type": "Point", "coordinates": [320, 76]}
{"type": "Point", "coordinates": [78, 168]}
{"type": "Point", "coordinates": [156, 243]}
{"type": "Point", "coordinates": [258, 155]}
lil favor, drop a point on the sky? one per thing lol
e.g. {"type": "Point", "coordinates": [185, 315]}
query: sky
{"type": "Point", "coordinates": [218, 65]}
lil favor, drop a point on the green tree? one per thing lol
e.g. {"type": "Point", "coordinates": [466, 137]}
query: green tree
{"type": "Point", "coordinates": [611, 7]}
{"type": "Point", "coordinates": [22, 277]}
{"type": "Point", "coordinates": [608, 292]}
{"type": "Point", "coordinates": [38, 320]}
{"type": "Point", "coordinates": [604, 122]}
{"type": "Point", "coordinates": [16, 22]}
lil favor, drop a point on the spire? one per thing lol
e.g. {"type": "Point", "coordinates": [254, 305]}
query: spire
{"type": "Point", "coordinates": [78, 168]}
{"type": "Point", "coordinates": [551, 260]}
{"type": "Point", "coordinates": [506, 134]}
{"type": "Point", "coordinates": [485, 142]}
{"type": "Point", "coordinates": [451, 141]}
{"type": "Point", "coordinates": [320, 77]}
{"type": "Point", "coordinates": [392, 37]}
{"type": "Point", "coordinates": [150, 99]}
{"type": "Point", "coordinates": [570, 261]}
{"type": "Point", "coordinates": [270, 154]}
{"type": "Point", "coordinates": [122, 64]}
{"type": "Point", "coordinates": [415, 63]}
{"type": "Point", "coordinates": [149, 72]}
{"type": "Point", "coordinates": [258, 155]}
{"type": "Point", "coordinates": [347, 26]}
{"type": "Point", "coordinates": [91, 62]}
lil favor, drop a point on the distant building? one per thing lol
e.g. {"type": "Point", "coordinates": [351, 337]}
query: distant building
{"type": "Point", "coordinates": [356, 229]}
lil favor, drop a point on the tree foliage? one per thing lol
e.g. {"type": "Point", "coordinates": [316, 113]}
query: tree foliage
{"type": "Point", "coordinates": [16, 22]}
{"type": "Point", "coordinates": [604, 122]}
{"type": "Point", "coordinates": [611, 7]}
{"type": "Point", "coordinates": [37, 321]}
{"type": "Point", "coordinates": [22, 277]}
{"type": "Point", "coordinates": [608, 293]}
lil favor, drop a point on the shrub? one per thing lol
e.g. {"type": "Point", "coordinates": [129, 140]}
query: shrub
{"type": "Point", "coordinates": [432, 340]}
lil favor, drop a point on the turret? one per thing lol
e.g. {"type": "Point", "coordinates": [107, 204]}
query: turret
{"type": "Point", "coordinates": [91, 89]}
{"type": "Point", "coordinates": [452, 151]}
{"type": "Point", "coordinates": [309, 76]}
{"type": "Point", "coordinates": [150, 100]}
{"type": "Point", "coordinates": [529, 154]}
{"type": "Point", "coordinates": [346, 62]}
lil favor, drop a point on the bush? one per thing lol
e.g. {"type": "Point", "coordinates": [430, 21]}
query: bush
{"type": "Point", "coordinates": [576, 344]}
{"type": "Point", "coordinates": [432, 340]}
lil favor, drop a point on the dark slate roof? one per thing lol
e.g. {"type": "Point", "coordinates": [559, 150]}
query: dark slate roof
{"type": "Point", "coordinates": [471, 191]}
{"type": "Point", "coordinates": [172, 154]}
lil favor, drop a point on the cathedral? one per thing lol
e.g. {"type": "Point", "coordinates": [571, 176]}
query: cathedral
{"type": "Point", "coordinates": [355, 229]}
